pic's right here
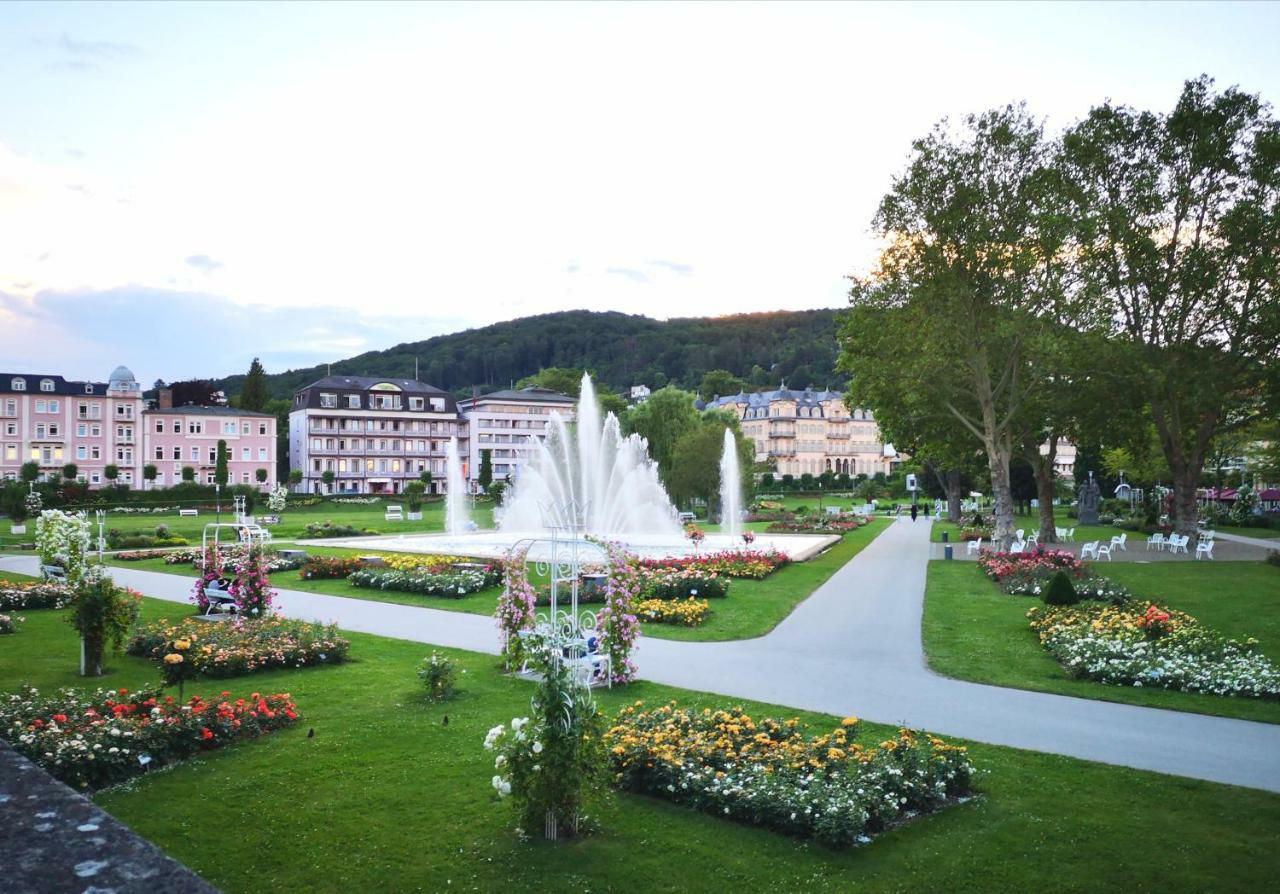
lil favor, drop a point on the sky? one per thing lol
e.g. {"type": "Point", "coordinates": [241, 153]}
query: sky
{"type": "Point", "coordinates": [184, 187]}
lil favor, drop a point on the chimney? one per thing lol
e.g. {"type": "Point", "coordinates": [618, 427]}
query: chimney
{"type": "Point", "coordinates": [165, 399]}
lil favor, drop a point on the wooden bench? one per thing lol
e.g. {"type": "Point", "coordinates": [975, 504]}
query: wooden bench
{"type": "Point", "coordinates": [394, 513]}
{"type": "Point", "coordinates": [188, 512]}
{"type": "Point", "coordinates": [269, 520]}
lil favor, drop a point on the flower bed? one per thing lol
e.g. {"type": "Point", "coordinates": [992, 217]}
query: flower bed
{"type": "Point", "coordinates": [241, 646]}
{"type": "Point", "coordinates": [976, 532]}
{"type": "Point", "coordinates": [329, 567]}
{"type": "Point", "coordinates": [1035, 581]}
{"type": "Point", "coordinates": [688, 612]}
{"type": "Point", "coordinates": [999, 565]}
{"type": "Point", "coordinates": [329, 529]}
{"type": "Point", "coordinates": [452, 584]}
{"type": "Point", "coordinates": [768, 773]}
{"type": "Point", "coordinates": [435, 564]}
{"type": "Point", "coordinates": [670, 583]}
{"type": "Point", "coordinates": [1140, 643]}
{"type": "Point", "coordinates": [9, 623]}
{"type": "Point", "coordinates": [141, 555]}
{"type": "Point", "coordinates": [752, 563]}
{"type": "Point", "coordinates": [37, 594]}
{"type": "Point", "coordinates": [90, 741]}
{"type": "Point", "coordinates": [815, 524]}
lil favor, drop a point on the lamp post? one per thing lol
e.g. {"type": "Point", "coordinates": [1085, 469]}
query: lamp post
{"type": "Point", "coordinates": [217, 502]}
{"type": "Point", "coordinates": [101, 515]}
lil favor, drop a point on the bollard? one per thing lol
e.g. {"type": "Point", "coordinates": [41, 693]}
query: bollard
{"type": "Point", "coordinates": [946, 552]}
{"type": "Point", "coordinates": [946, 536]}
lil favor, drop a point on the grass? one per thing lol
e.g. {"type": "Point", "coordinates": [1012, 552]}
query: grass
{"type": "Point", "coordinates": [292, 522]}
{"type": "Point", "coordinates": [1258, 533]}
{"type": "Point", "coordinates": [751, 609]}
{"type": "Point", "coordinates": [972, 631]}
{"type": "Point", "coordinates": [387, 797]}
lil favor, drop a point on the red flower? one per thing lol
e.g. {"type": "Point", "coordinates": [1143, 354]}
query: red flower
{"type": "Point", "coordinates": [60, 718]}
{"type": "Point", "coordinates": [205, 734]}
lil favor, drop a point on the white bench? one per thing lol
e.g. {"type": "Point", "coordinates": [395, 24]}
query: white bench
{"type": "Point", "coordinates": [53, 572]}
{"type": "Point", "coordinates": [394, 513]}
{"type": "Point", "coordinates": [188, 512]}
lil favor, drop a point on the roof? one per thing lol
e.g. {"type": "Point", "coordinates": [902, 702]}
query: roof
{"type": "Point", "coordinates": [806, 398]}
{"type": "Point", "coordinates": [364, 383]}
{"type": "Point", "coordinates": [193, 410]}
{"type": "Point", "coordinates": [61, 386]}
{"type": "Point", "coordinates": [533, 394]}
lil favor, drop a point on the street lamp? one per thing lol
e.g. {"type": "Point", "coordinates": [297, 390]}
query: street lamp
{"type": "Point", "coordinates": [217, 502]}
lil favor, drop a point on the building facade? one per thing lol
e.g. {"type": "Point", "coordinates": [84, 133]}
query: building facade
{"type": "Point", "coordinates": [810, 432]}
{"type": "Point", "coordinates": [176, 437]}
{"type": "Point", "coordinates": [54, 422]}
{"type": "Point", "coordinates": [510, 425]}
{"type": "Point", "coordinates": [374, 435]}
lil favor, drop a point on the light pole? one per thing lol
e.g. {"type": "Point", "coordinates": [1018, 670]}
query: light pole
{"type": "Point", "coordinates": [217, 502]}
{"type": "Point", "coordinates": [101, 515]}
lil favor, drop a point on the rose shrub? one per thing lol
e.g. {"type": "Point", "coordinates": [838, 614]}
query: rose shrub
{"type": "Point", "coordinates": [240, 646]}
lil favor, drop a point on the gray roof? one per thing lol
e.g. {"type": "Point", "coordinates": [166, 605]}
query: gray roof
{"type": "Point", "coordinates": [532, 393]}
{"type": "Point", "coordinates": [193, 410]}
{"type": "Point", "coordinates": [806, 398]}
{"type": "Point", "coordinates": [61, 386]}
{"type": "Point", "coordinates": [364, 383]}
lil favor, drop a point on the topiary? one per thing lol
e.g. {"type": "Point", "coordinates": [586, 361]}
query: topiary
{"type": "Point", "coordinates": [1060, 590]}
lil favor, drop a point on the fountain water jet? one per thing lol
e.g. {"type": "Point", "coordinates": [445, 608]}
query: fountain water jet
{"type": "Point", "coordinates": [730, 487]}
{"type": "Point", "coordinates": [591, 476]}
{"type": "Point", "coordinates": [457, 518]}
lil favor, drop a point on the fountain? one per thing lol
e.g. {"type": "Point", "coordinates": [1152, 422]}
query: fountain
{"type": "Point", "coordinates": [457, 519]}
{"type": "Point", "coordinates": [730, 487]}
{"type": "Point", "coordinates": [592, 477]}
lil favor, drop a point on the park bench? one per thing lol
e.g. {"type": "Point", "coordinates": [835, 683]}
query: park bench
{"type": "Point", "coordinates": [188, 512]}
{"type": "Point", "coordinates": [372, 561]}
{"type": "Point", "coordinates": [217, 599]}
{"type": "Point", "coordinates": [53, 572]}
{"type": "Point", "coordinates": [394, 513]}
{"type": "Point", "coordinates": [292, 553]}
{"type": "Point", "coordinates": [269, 520]}
{"type": "Point", "coordinates": [687, 518]}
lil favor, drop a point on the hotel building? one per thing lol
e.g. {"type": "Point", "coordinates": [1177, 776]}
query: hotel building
{"type": "Point", "coordinates": [510, 425]}
{"type": "Point", "coordinates": [799, 432]}
{"type": "Point", "coordinates": [188, 436]}
{"type": "Point", "coordinates": [375, 435]}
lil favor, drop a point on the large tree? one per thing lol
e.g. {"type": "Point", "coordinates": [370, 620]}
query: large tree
{"type": "Point", "coordinates": [697, 454]}
{"type": "Point", "coordinates": [195, 393]}
{"type": "Point", "coordinates": [663, 419]}
{"type": "Point", "coordinates": [974, 271]}
{"type": "Point", "coordinates": [1178, 221]}
{"type": "Point", "coordinates": [253, 396]}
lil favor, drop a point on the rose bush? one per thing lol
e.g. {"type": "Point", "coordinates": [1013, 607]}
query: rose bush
{"type": "Point", "coordinates": [240, 646]}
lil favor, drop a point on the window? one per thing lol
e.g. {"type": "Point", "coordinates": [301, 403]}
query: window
{"type": "Point", "coordinates": [262, 453]}
{"type": "Point", "coordinates": [437, 404]}
{"type": "Point", "coordinates": [328, 401]}
{"type": "Point", "coordinates": [244, 477]}
{"type": "Point", "coordinates": [124, 411]}
{"type": "Point", "coordinates": [55, 406]}
{"type": "Point", "coordinates": [353, 401]}
{"type": "Point", "coordinates": [95, 477]}
{"type": "Point", "coordinates": [41, 406]}
{"type": "Point", "coordinates": [40, 431]}
{"type": "Point", "coordinates": [95, 431]}
{"type": "Point", "coordinates": [416, 403]}
{"type": "Point", "coordinates": [262, 428]}
{"type": "Point", "coordinates": [18, 385]}
{"type": "Point", "coordinates": [177, 453]}
{"type": "Point", "coordinates": [159, 426]}
{"type": "Point", "coordinates": [11, 407]}
{"type": "Point", "coordinates": [88, 388]}
{"type": "Point", "coordinates": [46, 384]}
{"type": "Point", "coordinates": [213, 455]}
{"type": "Point", "coordinates": [244, 428]}
{"type": "Point", "coordinates": [95, 452]}
{"type": "Point", "coordinates": [228, 428]}
{"type": "Point", "coordinates": [177, 426]}
{"type": "Point", "coordinates": [54, 430]}
{"type": "Point", "coordinates": [244, 454]}
{"type": "Point", "coordinates": [11, 452]}
{"type": "Point", "coordinates": [11, 428]}
{"type": "Point", "coordinates": [159, 453]}
{"type": "Point", "coordinates": [195, 427]}
{"type": "Point", "coordinates": [195, 454]}
{"type": "Point", "coordinates": [315, 444]}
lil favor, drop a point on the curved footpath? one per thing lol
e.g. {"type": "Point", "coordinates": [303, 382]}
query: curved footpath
{"type": "Point", "coordinates": [853, 647]}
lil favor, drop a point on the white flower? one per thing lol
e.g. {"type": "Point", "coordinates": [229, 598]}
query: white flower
{"type": "Point", "coordinates": [500, 762]}
{"type": "Point", "coordinates": [537, 747]}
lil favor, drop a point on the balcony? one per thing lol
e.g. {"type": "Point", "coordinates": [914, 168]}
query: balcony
{"type": "Point", "coordinates": [782, 451]}
{"type": "Point", "coordinates": [839, 435]}
{"type": "Point", "coordinates": [781, 432]}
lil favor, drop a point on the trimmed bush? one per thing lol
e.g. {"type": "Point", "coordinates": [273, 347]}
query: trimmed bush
{"type": "Point", "coordinates": [1060, 590]}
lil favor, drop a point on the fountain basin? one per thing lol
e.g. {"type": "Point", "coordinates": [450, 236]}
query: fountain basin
{"type": "Point", "coordinates": [496, 544]}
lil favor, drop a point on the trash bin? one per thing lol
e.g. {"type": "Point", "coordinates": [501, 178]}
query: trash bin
{"type": "Point", "coordinates": [946, 536]}
{"type": "Point", "coordinates": [946, 552]}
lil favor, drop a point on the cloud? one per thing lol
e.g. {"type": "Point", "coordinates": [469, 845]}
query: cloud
{"type": "Point", "coordinates": [674, 267]}
{"type": "Point", "coordinates": [100, 49]}
{"type": "Point", "coordinates": [172, 334]}
{"type": "Point", "coordinates": [203, 262]}
{"type": "Point", "coordinates": [628, 273]}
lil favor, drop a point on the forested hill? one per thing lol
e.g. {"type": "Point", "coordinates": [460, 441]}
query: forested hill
{"type": "Point", "coordinates": [623, 350]}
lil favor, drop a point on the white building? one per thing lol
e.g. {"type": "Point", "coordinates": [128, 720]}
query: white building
{"type": "Point", "coordinates": [510, 424]}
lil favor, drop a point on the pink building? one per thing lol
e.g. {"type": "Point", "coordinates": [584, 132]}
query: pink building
{"type": "Point", "coordinates": [188, 436]}
{"type": "Point", "coordinates": [55, 422]}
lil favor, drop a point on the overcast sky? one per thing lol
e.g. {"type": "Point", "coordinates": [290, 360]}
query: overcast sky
{"type": "Point", "coordinates": [186, 186]}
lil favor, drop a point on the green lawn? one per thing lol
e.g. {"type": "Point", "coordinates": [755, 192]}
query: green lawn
{"type": "Point", "coordinates": [1258, 533]}
{"type": "Point", "coordinates": [292, 522]}
{"type": "Point", "coordinates": [387, 797]}
{"type": "Point", "coordinates": [751, 609]}
{"type": "Point", "coordinates": [972, 631]}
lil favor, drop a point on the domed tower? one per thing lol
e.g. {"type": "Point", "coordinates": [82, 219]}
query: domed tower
{"type": "Point", "coordinates": [122, 379]}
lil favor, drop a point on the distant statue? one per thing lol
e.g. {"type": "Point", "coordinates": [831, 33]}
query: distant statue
{"type": "Point", "coordinates": [1088, 502]}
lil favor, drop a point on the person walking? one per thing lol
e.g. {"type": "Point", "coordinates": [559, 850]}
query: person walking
{"type": "Point", "coordinates": [914, 510]}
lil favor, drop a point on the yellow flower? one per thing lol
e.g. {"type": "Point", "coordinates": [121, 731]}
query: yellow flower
{"type": "Point", "coordinates": [173, 658]}
{"type": "Point", "coordinates": [849, 721]}
{"type": "Point", "coordinates": [182, 644]}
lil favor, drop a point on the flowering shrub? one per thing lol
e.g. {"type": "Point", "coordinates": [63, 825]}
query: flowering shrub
{"type": "Point", "coordinates": [90, 741]}
{"type": "Point", "coordinates": [694, 534]}
{"type": "Point", "coordinates": [976, 532]}
{"type": "Point", "coordinates": [438, 673]}
{"type": "Point", "coordinates": [1140, 643]}
{"type": "Point", "coordinates": [242, 645]}
{"type": "Point", "coordinates": [251, 588]}
{"type": "Point", "coordinates": [549, 764]}
{"type": "Point", "coordinates": [210, 571]}
{"type": "Point", "coordinates": [755, 564]}
{"type": "Point", "coordinates": [355, 501]}
{"type": "Point", "coordinates": [681, 584]}
{"type": "Point", "coordinates": [818, 524]}
{"type": "Point", "coordinates": [452, 584]}
{"type": "Point", "coordinates": [329, 567]}
{"type": "Point", "coordinates": [102, 613]}
{"type": "Point", "coordinates": [999, 565]}
{"type": "Point", "coordinates": [140, 555]}
{"type": "Point", "coordinates": [329, 529]}
{"type": "Point", "coordinates": [685, 612]}
{"type": "Point", "coordinates": [748, 537]}
{"type": "Point", "coordinates": [278, 498]}
{"type": "Point", "coordinates": [33, 502]}
{"type": "Point", "coordinates": [619, 627]}
{"type": "Point", "coordinates": [515, 611]}
{"type": "Point", "coordinates": [9, 623]}
{"type": "Point", "coordinates": [63, 539]}
{"type": "Point", "coordinates": [1035, 582]}
{"type": "Point", "coordinates": [38, 594]}
{"type": "Point", "coordinates": [402, 562]}
{"type": "Point", "coordinates": [180, 557]}
{"type": "Point", "coordinates": [769, 773]}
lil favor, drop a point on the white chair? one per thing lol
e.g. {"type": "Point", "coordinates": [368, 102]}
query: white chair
{"type": "Point", "coordinates": [975, 546]}
{"type": "Point", "coordinates": [1071, 534]}
{"type": "Point", "coordinates": [1206, 535]}
{"type": "Point", "coordinates": [1156, 540]}
{"type": "Point", "coordinates": [1090, 549]}
{"type": "Point", "coordinates": [1177, 542]}
{"type": "Point", "coordinates": [1060, 533]}
{"type": "Point", "coordinates": [1018, 534]}
{"type": "Point", "coordinates": [1034, 539]}
{"type": "Point", "coordinates": [1103, 550]}
{"type": "Point", "coordinates": [1121, 541]}
{"type": "Point", "coordinates": [1017, 546]}
{"type": "Point", "coordinates": [1204, 548]}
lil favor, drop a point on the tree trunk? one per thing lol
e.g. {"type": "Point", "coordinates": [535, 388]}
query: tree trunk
{"type": "Point", "coordinates": [1042, 467]}
{"type": "Point", "coordinates": [1001, 493]}
{"type": "Point", "coordinates": [954, 496]}
{"type": "Point", "coordinates": [93, 649]}
{"type": "Point", "coordinates": [1185, 509]}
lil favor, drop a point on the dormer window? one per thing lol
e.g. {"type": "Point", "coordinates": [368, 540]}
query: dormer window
{"type": "Point", "coordinates": [46, 384]}
{"type": "Point", "coordinates": [88, 389]}
{"type": "Point", "coordinates": [18, 385]}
